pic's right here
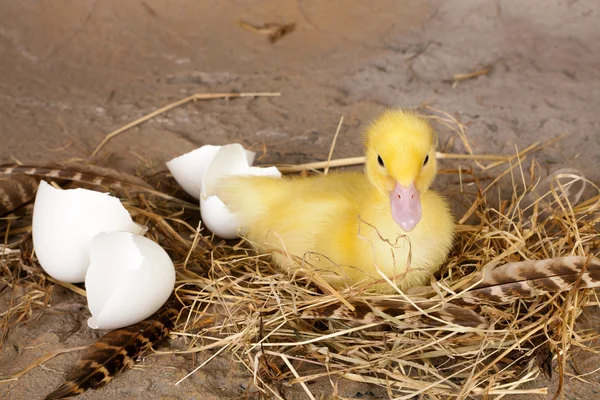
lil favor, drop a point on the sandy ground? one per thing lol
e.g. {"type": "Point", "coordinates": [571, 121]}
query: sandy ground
{"type": "Point", "coordinates": [71, 71]}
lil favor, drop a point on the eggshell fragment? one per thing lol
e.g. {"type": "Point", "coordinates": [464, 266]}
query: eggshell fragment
{"type": "Point", "coordinates": [130, 277]}
{"type": "Point", "coordinates": [229, 160]}
{"type": "Point", "coordinates": [64, 223]}
{"type": "Point", "coordinates": [189, 169]}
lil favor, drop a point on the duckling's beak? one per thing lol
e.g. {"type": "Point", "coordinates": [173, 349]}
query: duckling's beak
{"type": "Point", "coordinates": [406, 206]}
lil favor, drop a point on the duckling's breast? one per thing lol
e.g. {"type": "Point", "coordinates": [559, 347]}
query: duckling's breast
{"type": "Point", "coordinates": [383, 248]}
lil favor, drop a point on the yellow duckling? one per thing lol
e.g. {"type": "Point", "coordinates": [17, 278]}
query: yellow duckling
{"type": "Point", "coordinates": [349, 226]}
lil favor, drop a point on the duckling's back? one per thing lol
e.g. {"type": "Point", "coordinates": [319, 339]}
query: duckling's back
{"type": "Point", "coordinates": [294, 214]}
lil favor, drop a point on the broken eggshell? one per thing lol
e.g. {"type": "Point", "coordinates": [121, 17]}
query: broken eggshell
{"type": "Point", "coordinates": [130, 277]}
{"type": "Point", "coordinates": [229, 160]}
{"type": "Point", "coordinates": [64, 223]}
{"type": "Point", "coordinates": [189, 169]}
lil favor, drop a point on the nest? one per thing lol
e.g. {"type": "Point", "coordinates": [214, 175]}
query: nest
{"type": "Point", "coordinates": [238, 304]}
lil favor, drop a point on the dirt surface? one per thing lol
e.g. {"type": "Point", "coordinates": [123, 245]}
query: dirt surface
{"type": "Point", "coordinates": [74, 70]}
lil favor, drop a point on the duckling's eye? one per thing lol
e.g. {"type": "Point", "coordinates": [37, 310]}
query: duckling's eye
{"type": "Point", "coordinates": [426, 159]}
{"type": "Point", "coordinates": [380, 161]}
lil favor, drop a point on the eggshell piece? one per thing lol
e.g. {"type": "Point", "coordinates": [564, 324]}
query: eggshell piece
{"type": "Point", "coordinates": [217, 217]}
{"type": "Point", "coordinates": [189, 169]}
{"type": "Point", "coordinates": [228, 161]}
{"type": "Point", "coordinates": [130, 277]}
{"type": "Point", "coordinates": [64, 223]}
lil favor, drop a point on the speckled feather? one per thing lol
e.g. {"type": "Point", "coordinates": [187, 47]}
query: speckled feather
{"type": "Point", "coordinates": [400, 314]}
{"type": "Point", "coordinates": [494, 284]}
{"type": "Point", "coordinates": [117, 351]}
{"type": "Point", "coordinates": [508, 282]}
{"type": "Point", "coordinates": [89, 175]}
{"type": "Point", "coordinates": [16, 193]}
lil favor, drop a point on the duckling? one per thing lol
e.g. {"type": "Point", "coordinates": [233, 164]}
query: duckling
{"type": "Point", "coordinates": [355, 227]}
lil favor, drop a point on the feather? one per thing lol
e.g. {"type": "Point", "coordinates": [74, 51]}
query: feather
{"type": "Point", "coordinates": [117, 351]}
{"type": "Point", "coordinates": [494, 284]}
{"type": "Point", "coordinates": [508, 282]}
{"type": "Point", "coordinates": [91, 175]}
{"type": "Point", "coordinates": [400, 313]}
{"type": "Point", "coordinates": [16, 193]}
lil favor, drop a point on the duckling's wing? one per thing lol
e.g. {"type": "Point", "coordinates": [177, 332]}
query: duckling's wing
{"type": "Point", "coordinates": [252, 198]}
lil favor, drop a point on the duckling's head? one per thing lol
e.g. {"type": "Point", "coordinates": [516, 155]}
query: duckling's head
{"type": "Point", "coordinates": [401, 162]}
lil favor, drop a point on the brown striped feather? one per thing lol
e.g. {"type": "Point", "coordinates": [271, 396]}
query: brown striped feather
{"type": "Point", "coordinates": [400, 314]}
{"type": "Point", "coordinates": [15, 193]}
{"type": "Point", "coordinates": [91, 175]}
{"type": "Point", "coordinates": [117, 351]}
{"type": "Point", "coordinates": [495, 284]}
{"type": "Point", "coordinates": [508, 282]}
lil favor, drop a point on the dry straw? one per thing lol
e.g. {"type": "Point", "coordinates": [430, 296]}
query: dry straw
{"type": "Point", "coordinates": [257, 309]}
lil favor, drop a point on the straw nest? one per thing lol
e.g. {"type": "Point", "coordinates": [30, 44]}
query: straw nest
{"type": "Point", "coordinates": [239, 305]}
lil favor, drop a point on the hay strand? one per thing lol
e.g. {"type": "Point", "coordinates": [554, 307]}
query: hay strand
{"type": "Point", "coordinates": [168, 107]}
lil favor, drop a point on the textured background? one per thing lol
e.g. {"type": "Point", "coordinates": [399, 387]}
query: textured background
{"type": "Point", "coordinates": [73, 70]}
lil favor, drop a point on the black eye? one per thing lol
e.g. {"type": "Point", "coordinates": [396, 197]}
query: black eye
{"type": "Point", "coordinates": [380, 161]}
{"type": "Point", "coordinates": [426, 159]}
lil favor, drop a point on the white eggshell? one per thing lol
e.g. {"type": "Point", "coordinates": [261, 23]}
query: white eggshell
{"type": "Point", "coordinates": [229, 160]}
{"type": "Point", "coordinates": [64, 223]}
{"type": "Point", "coordinates": [217, 217]}
{"type": "Point", "coordinates": [130, 277]}
{"type": "Point", "coordinates": [189, 169]}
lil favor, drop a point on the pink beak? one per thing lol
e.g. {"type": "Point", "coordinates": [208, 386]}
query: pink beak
{"type": "Point", "coordinates": [406, 206]}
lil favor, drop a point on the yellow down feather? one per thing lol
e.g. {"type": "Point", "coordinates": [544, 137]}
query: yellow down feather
{"type": "Point", "coordinates": [341, 224]}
